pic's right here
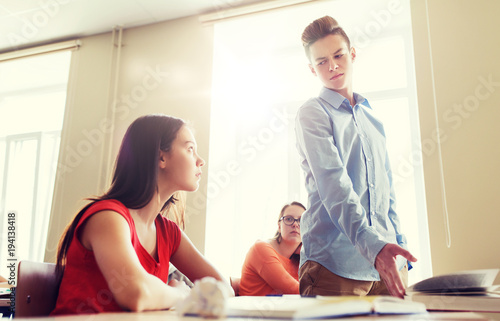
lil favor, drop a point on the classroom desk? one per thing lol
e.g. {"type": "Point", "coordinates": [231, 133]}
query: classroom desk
{"type": "Point", "coordinates": [172, 316]}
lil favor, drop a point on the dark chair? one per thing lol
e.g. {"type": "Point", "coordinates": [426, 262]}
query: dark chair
{"type": "Point", "coordinates": [235, 284]}
{"type": "Point", "coordinates": [37, 289]}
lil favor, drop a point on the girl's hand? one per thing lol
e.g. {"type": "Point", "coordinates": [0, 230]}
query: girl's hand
{"type": "Point", "coordinates": [181, 287]}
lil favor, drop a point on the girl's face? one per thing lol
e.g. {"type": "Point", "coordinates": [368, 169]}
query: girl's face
{"type": "Point", "coordinates": [291, 233]}
{"type": "Point", "coordinates": [180, 168]}
{"type": "Point", "coordinates": [331, 62]}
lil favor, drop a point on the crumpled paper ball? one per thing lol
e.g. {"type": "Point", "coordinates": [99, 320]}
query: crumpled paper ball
{"type": "Point", "coordinates": [207, 299]}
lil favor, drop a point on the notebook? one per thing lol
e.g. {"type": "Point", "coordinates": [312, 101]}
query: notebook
{"type": "Point", "coordinates": [296, 307]}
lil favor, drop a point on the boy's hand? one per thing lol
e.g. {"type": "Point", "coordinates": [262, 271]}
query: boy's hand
{"type": "Point", "coordinates": [385, 263]}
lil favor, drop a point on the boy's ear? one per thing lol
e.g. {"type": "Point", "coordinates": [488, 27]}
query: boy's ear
{"type": "Point", "coordinates": [312, 69]}
{"type": "Point", "coordinates": [353, 53]}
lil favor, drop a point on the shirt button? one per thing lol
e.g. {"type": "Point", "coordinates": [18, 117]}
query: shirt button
{"type": "Point", "coordinates": [369, 159]}
{"type": "Point", "coordinates": [371, 185]}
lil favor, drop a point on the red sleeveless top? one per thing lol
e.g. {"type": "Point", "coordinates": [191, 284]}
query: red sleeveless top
{"type": "Point", "coordinates": [83, 287]}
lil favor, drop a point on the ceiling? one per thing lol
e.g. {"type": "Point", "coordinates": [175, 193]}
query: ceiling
{"type": "Point", "coordinates": [24, 23]}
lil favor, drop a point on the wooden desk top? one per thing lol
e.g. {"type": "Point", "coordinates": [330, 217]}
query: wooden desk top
{"type": "Point", "coordinates": [172, 316]}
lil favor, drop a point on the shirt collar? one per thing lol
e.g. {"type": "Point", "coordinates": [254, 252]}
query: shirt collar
{"type": "Point", "coordinates": [336, 100]}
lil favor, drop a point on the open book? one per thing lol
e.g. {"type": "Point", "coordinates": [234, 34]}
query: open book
{"type": "Point", "coordinates": [460, 291]}
{"type": "Point", "coordinates": [5, 297]}
{"type": "Point", "coordinates": [465, 281]}
{"type": "Point", "coordinates": [296, 307]}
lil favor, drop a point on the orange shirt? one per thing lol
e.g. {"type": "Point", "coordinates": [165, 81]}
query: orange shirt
{"type": "Point", "coordinates": [267, 272]}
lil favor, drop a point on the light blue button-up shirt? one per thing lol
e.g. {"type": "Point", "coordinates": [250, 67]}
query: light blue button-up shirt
{"type": "Point", "coordinates": [351, 204]}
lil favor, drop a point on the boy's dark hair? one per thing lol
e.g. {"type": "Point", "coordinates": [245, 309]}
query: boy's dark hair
{"type": "Point", "coordinates": [319, 29]}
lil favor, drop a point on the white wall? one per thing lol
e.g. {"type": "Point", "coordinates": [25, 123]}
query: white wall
{"type": "Point", "coordinates": [160, 70]}
{"type": "Point", "coordinates": [465, 58]}
{"type": "Point", "coordinates": [79, 157]}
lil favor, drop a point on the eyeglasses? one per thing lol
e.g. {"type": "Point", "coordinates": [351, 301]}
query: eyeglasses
{"type": "Point", "coordinates": [289, 220]}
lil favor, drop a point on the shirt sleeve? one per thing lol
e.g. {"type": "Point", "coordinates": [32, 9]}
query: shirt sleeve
{"type": "Point", "coordinates": [267, 264]}
{"type": "Point", "coordinates": [400, 237]}
{"type": "Point", "coordinates": [316, 141]}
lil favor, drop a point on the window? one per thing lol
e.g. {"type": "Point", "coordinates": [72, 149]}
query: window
{"type": "Point", "coordinates": [260, 80]}
{"type": "Point", "coordinates": [32, 102]}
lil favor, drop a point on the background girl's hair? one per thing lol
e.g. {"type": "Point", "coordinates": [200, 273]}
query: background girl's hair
{"type": "Point", "coordinates": [319, 29]}
{"type": "Point", "coordinates": [135, 178]}
{"type": "Point", "coordinates": [278, 236]}
{"type": "Point", "coordinates": [176, 212]}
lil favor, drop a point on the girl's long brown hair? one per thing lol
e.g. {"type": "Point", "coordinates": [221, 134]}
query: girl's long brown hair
{"type": "Point", "coordinates": [135, 177]}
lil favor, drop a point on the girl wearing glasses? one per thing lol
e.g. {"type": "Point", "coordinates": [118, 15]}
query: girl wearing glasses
{"type": "Point", "coordinates": [271, 266]}
{"type": "Point", "coordinates": [115, 254]}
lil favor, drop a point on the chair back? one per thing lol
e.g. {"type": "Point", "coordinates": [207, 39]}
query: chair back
{"type": "Point", "coordinates": [37, 289]}
{"type": "Point", "coordinates": [235, 284]}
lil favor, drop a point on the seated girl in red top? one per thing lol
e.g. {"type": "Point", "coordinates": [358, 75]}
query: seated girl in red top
{"type": "Point", "coordinates": [272, 266]}
{"type": "Point", "coordinates": [115, 254]}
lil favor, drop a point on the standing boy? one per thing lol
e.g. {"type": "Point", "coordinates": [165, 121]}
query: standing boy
{"type": "Point", "coordinates": [351, 234]}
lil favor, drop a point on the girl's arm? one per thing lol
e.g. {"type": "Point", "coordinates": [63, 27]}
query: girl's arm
{"type": "Point", "coordinates": [107, 234]}
{"type": "Point", "coordinates": [193, 264]}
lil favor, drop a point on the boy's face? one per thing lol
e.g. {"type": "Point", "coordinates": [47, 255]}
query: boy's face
{"type": "Point", "coordinates": [331, 61]}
